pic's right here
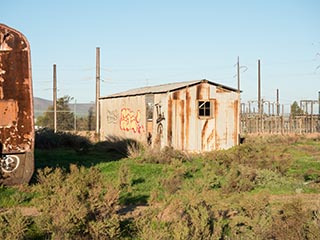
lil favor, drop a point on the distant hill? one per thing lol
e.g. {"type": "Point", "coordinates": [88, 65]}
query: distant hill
{"type": "Point", "coordinates": [41, 105]}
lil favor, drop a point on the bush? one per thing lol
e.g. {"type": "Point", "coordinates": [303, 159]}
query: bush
{"type": "Point", "coordinates": [290, 222]}
{"type": "Point", "coordinates": [47, 139]}
{"type": "Point", "coordinates": [13, 225]}
{"type": "Point", "coordinates": [76, 204]}
{"type": "Point", "coordinates": [240, 179]}
{"type": "Point", "coordinates": [247, 217]}
{"type": "Point", "coordinates": [166, 155]}
{"type": "Point", "coordinates": [178, 220]}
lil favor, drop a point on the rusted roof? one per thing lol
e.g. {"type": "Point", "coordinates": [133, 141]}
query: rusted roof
{"type": "Point", "coordinates": [163, 88]}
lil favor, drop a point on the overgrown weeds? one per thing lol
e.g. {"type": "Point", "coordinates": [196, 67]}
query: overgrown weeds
{"type": "Point", "coordinates": [166, 155]}
{"type": "Point", "coordinates": [47, 139]}
{"type": "Point", "coordinates": [170, 194]}
{"type": "Point", "coordinates": [76, 204]}
{"type": "Point", "coordinates": [13, 225]}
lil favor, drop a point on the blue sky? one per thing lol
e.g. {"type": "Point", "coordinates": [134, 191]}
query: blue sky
{"type": "Point", "coordinates": [154, 42]}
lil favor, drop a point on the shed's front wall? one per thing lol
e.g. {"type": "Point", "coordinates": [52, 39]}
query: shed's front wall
{"type": "Point", "coordinates": [123, 118]}
{"type": "Point", "coordinates": [185, 130]}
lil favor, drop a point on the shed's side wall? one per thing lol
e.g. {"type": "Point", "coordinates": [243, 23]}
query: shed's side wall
{"type": "Point", "coordinates": [227, 110]}
{"type": "Point", "coordinates": [123, 118]}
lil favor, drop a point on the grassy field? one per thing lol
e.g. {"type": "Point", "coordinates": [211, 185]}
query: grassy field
{"type": "Point", "coordinates": [259, 190]}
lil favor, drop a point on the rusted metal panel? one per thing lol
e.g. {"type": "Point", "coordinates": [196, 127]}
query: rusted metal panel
{"type": "Point", "coordinates": [16, 107]}
{"type": "Point", "coordinates": [9, 112]}
{"type": "Point", "coordinates": [178, 123]}
{"type": "Point", "coordinates": [218, 131]}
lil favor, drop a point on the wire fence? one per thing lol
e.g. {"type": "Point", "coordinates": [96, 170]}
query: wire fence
{"type": "Point", "coordinates": [271, 118]}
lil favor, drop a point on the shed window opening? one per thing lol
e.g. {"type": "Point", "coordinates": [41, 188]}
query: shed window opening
{"type": "Point", "coordinates": [204, 108]}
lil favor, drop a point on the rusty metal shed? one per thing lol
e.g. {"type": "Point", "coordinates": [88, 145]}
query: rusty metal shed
{"type": "Point", "coordinates": [196, 116]}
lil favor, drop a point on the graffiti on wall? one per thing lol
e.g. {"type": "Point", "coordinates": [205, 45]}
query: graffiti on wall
{"type": "Point", "coordinates": [159, 121]}
{"type": "Point", "coordinates": [130, 121]}
{"type": "Point", "coordinates": [112, 116]}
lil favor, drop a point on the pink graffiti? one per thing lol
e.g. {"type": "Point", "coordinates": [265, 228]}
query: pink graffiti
{"type": "Point", "coordinates": [130, 121]}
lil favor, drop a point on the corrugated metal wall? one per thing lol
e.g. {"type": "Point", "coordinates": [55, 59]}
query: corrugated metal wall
{"type": "Point", "coordinates": [124, 118]}
{"type": "Point", "coordinates": [175, 118]}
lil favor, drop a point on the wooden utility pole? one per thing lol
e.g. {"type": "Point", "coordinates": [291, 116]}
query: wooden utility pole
{"type": "Point", "coordinates": [97, 91]}
{"type": "Point", "coordinates": [259, 88]}
{"type": "Point", "coordinates": [239, 111]}
{"type": "Point", "coordinates": [319, 104]}
{"type": "Point", "coordinates": [319, 111]}
{"type": "Point", "coordinates": [75, 115]}
{"type": "Point", "coordinates": [55, 97]}
{"type": "Point", "coordinates": [259, 98]}
{"type": "Point", "coordinates": [278, 106]}
{"type": "Point", "coordinates": [238, 74]}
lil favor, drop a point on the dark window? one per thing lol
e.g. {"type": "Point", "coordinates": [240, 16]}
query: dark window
{"type": "Point", "coordinates": [149, 106]}
{"type": "Point", "coordinates": [204, 108]}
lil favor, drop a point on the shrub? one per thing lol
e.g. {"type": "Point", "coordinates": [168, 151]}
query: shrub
{"type": "Point", "coordinates": [268, 179]}
{"type": "Point", "coordinates": [290, 222]}
{"type": "Point", "coordinates": [253, 217]}
{"type": "Point", "coordinates": [76, 204]}
{"type": "Point", "coordinates": [47, 139]}
{"type": "Point", "coordinates": [172, 184]}
{"type": "Point", "coordinates": [166, 155]}
{"type": "Point", "coordinates": [240, 179]}
{"type": "Point", "coordinates": [13, 225]}
{"type": "Point", "coordinates": [178, 220]}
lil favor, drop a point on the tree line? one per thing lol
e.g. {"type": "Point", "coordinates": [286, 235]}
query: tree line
{"type": "Point", "coordinates": [66, 119]}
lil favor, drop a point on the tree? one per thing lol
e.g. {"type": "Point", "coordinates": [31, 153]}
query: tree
{"type": "Point", "coordinates": [295, 110]}
{"type": "Point", "coordinates": [91, 118]}
{"type": "Point", "coordinates": [65, 117]}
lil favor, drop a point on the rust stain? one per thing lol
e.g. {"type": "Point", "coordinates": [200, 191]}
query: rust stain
{"type": "Point", "coordinates": [188, 115]}
{"type": "Point", "coordinates": [176, 95]}
{"type": "Point", "coordinates": [16, 102]}
{"type": "Point", "coordinates": [9, 112]}
{"type": "Point", "coordinates": [236, 112]}
{"type": "Point", "coordinates": [199, 92]}
{"type": "Point", "coordinates": [221, 90]}
{"type": "Point", "coordinates": [216, 112]}
{"type": "Point", "coordinates": [203, 134]}
{"type": "Point", "coordinates": [169, 127]}
{"type": "Point", "coordinates": [211, 137]}
{"type": "Point", "coordinates": [203, 91]}
{"type": "Point", "coordinates": [182, 124]}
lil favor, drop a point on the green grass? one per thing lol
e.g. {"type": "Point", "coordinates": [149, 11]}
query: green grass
{"type": "Point", "coordinates": [255, 179]}
{"type": "Point", "coordinates": [199, 173]}
{"type": "Point", "coordinates": [6, 194]}
{"type": "Point", "coordinates": [306, 157]}
{"type": "Point", "coordinates": [12, 196]}
{"type": "Point", "coordinates": [143, 178]}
